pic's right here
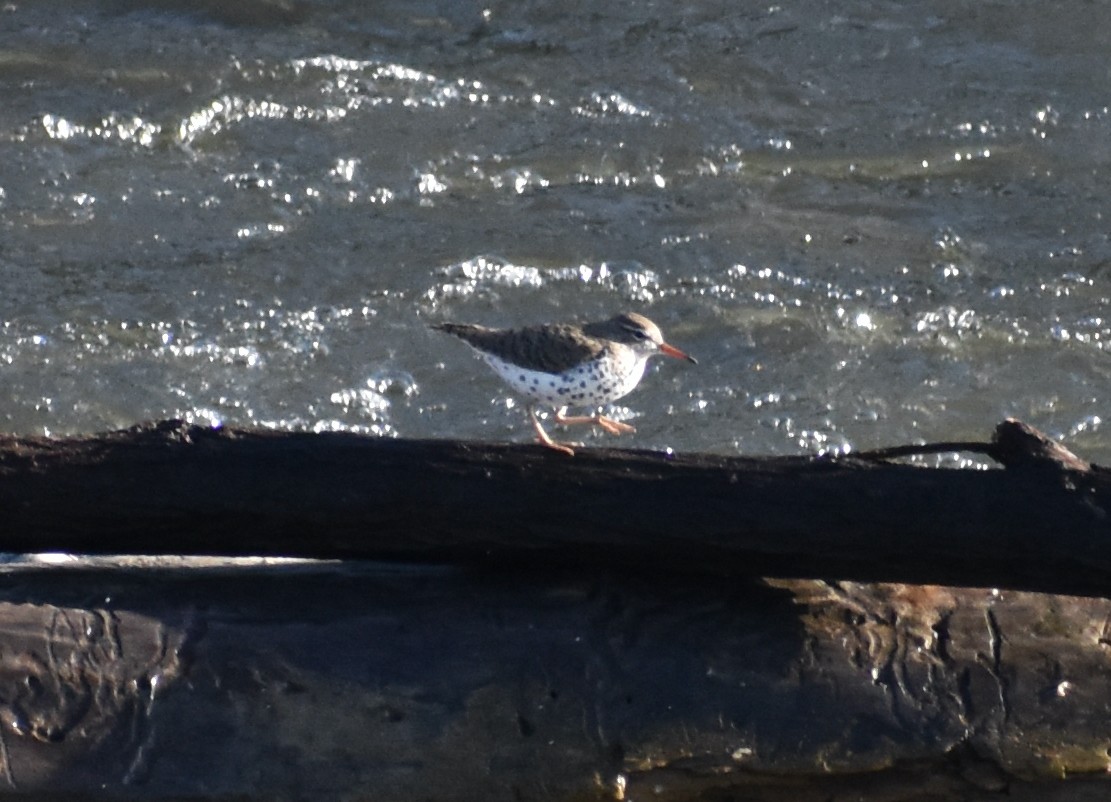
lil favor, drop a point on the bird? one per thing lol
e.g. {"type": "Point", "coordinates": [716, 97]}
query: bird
{"type": "Point", "coordinates": [562, 365]}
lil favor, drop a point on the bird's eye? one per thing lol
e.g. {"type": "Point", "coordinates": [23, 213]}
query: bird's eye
{"type": "Point", "coordinates": [636, 332]}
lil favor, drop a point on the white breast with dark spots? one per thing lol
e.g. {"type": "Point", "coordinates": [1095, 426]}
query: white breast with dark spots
{"type": "Point", "coordinates": [597, 382]}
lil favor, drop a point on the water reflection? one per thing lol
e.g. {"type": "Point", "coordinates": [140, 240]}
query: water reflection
{"type": "Point", "coordinates": [875, 227]}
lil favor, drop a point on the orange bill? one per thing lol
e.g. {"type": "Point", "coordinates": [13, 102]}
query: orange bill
{"type": "Point", "coordinates": [671, 350]}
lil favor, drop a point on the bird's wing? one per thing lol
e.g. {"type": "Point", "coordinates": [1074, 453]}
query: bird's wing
{"type": "Point", "coordinates": [551, 348]}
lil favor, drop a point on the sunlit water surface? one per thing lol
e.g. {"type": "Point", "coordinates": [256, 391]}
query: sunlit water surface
{"type": "Point", "coordinates": [872, 223]}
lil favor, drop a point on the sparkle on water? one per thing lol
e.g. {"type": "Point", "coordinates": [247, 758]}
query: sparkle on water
{"type": "Point", "coordinates": [261, 237]}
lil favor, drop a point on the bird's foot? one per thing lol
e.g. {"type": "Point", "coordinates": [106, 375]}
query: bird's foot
{"type": "Point", "coordinates": [560, 447]}
{"type": "Point", "coordinates": [614, 426]}
{"type": "Point", "coordinates": [543, 438]}
{"type": "Point", "coordinates": [609, 424]}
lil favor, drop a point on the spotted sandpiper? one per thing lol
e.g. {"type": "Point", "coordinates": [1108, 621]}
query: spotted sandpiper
{"type": "Point", "coordinates": [563, 365]}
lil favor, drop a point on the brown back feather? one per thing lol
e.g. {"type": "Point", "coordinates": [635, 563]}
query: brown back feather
{"type": "Point", "coordinates": [551, 348]}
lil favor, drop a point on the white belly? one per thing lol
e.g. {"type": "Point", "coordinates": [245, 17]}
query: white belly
{"type": "Point", "coordinates": [589, 384]}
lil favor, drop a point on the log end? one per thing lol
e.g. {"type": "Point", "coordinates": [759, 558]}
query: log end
{"type": "Point", "coordinates": [1019, 445]}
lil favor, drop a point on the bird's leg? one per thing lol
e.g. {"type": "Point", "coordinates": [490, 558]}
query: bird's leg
{"type": "Point", "coordinates": [609, 424]}
{"type": "Point", "coordinates": [542, 435]}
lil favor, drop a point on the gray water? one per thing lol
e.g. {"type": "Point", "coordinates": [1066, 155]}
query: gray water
{"type": "Point", "coordinates": [873, 223]}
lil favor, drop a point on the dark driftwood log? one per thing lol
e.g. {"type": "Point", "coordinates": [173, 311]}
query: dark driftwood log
{"type": "Point", "coordinates": [588, 632]}
{"type": "Point", "coordinates": [1040, 524]}
{"type": "Point", "coordinates": [360, 683]}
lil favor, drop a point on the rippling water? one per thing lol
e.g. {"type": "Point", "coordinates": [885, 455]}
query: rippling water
{"type": "Point", "coordinates": [873, 223]}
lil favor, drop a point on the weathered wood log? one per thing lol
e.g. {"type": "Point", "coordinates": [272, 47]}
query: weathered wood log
{"type": "Point", "coordinates": [1041, 523]}
{"type": "Point", "coordinates": [354, 682]}
{"type": "Point", "coordinates": [623, 654]}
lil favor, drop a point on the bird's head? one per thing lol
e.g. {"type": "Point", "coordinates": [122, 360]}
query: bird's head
{"type": "Point", "coordinates": [642, 335]}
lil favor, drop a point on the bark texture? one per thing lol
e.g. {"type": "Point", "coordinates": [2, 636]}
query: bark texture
{"type": "Point", "coordinates": [519, 625]}
{"type": "Point", "coordinates": [1041, 523]}
{"type": "Point", "coordinates": [374, 682]}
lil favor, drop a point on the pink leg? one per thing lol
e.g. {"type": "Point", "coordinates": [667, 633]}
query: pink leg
{"type": "Point", "coordinates": [542, 436]}
{"type": "Point", "coordinates": [609, 424]}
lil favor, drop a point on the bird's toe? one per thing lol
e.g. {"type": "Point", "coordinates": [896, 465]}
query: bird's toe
{"type": "Point", "coordinates": [615, 426]}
